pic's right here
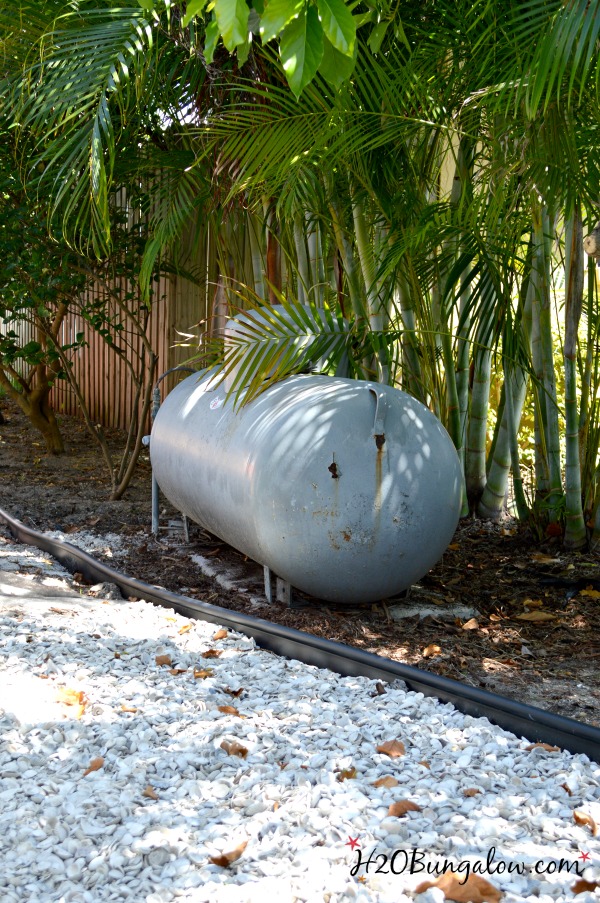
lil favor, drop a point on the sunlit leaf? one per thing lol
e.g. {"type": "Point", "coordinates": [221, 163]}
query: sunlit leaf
{"type": "Point", "coordinates": [392, 748]}
{"type": "Point", "coordinates": [226, 859]}
{"type": "Point", "coordinates": [538, 616]}
{"type": "Point", "coordinates": [233, 748]}
{"type": "Point", "coordinates": [347, 774]}
{"type": "Point", "coordinates": [229, 710]}
{"type": "Point", "coordinates": [203, 673]}
{"type": "Point", "coordinates": [454, 887]}
{"type": "Point", "coordinates": [401, 807]}
{"type": "Point", "coordinates": [387, 781]}
{"type": "Point", "coordinates": [95, 765]}
{"type": "Point", "coordinates": [584, 819]}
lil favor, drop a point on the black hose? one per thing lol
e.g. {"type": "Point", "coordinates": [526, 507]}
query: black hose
{"type": "Point", "coordinates": [523, 720]}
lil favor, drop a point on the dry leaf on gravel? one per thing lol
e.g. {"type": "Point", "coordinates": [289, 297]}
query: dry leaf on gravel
{"type": "Point", "coordinates": [584, 819]}
{"type": "Point", "coordinates": [471, 791]}
{"type": "Point", "coordinates": [392, 748]}
{"type": "Point", "coordinates": [128, 708]}
{"type": "Point", "coordinates": [185, 628]}
{"type": "Point", "coordinates": [234, 748]}
{"type": "Point", "coordinates": [545, 746]}
{"type": "Point", "coordinates": [226, 859]}
{"type": "Point", "coordinates": [150, 792]}
{"type": "Point", "coordinates": [176, 671]}
{"type": "Point", "coordinates": [388, 781]}
{"type": "Point", "coordinates": [163, 660]}
{"type": "Point", "coordinates": [401, 807]}
{"type": "Point", "coordinates": [229, 710]}
{"type": "Point", "coordinates": [211, 653]}
{"type": "Point", "coordinates": [473, 890]}
{"type": "Point", "coordinates": [234, 693]}
{"type": "Point", "coordinates": [95, 765]}
{"type": "Point", "coordinates": [581, 886]}
{"type": "Point", "coordinates": [347, 774]}
{"type": "Point", "coordinates": [202, 673]}
{"type": "Point", "coordinates": [432, 649]}
{"type": "Point", "coordinates": [76, 698]}
{"type": "Point", "coordinates": [221, 634]}
{"type": "Point", "coordinates": [536, 616]}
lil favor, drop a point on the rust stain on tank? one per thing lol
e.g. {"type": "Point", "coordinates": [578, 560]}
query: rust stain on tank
{"type": "Point", "coordinates": [347, 535]}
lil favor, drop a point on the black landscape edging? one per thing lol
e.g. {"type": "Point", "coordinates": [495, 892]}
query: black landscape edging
{"type": "Point", "coordinates": [523, 720]}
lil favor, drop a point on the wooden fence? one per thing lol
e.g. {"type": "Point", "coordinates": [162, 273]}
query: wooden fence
{"type": "Point", "coordinates": [104, 373]}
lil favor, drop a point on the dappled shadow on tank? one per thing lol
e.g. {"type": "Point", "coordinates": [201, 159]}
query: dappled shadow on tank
{"type": "Point", "coordinates": [348, 490]}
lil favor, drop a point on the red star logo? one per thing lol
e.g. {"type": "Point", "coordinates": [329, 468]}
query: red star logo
{"type": "Point", "coordinates": [584, 856]}
{"type": "Point", "coordinates": [353, 842]}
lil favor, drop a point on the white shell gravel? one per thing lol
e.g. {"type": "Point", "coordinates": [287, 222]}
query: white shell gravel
{"type": "Point", "coordinates": [172, 788]}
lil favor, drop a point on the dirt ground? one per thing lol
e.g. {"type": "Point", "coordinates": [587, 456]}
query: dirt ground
{"type": "Point", "coordinates": [528, 626]}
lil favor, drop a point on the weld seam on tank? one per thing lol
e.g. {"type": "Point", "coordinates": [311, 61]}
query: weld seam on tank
{"type": "Point", "coordinates": [537, 725]}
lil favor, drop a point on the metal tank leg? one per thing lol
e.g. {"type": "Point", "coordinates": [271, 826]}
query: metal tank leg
{"type": "Point", "coordinates": [284, 592]}
{"type": "Point", "coordinates": [283, 589]}
{"type": "Point", "coordinates": [155, 507]}
{"type": "Point", "coordinates": [268, 584]}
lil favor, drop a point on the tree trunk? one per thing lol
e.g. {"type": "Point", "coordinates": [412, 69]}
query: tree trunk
{"type": "Point", "coordinates": [575, 535]}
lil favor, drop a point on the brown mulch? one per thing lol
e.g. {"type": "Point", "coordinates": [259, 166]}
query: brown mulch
{"type": "Point", "coordinates": [531, 625]}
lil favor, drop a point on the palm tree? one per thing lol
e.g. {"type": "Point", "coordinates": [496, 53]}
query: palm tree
{"type": "Point", "coordinates": [487, 96]}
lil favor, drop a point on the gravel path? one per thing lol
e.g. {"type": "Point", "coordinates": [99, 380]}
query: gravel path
{"type": "Point", "coordinates": [149, 758]}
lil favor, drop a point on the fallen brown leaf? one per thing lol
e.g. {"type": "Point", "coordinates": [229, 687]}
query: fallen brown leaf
{"type": "Point", "coordinates": [128, 708]}
{"type": "Point", "coordinates": [226, 859]}
{"type": "Point", "coordinates": [471, 791]}
{"type": "Point", "coordinates": [95, 765]}
{"type": "Point", "coordinates": [388, 781]}
{"type": "Point", "coordinates": [582, 885]}
{"type": "Point", "coordinates": [590, 592]}
{"type": "Point", "coordinates": [471, 624]}
{"type": "Point", "coordinates": [163, 660]}
{"type": "Point", "coordinates": [347, 774]}
{"type": "Point", "coordinates": [536, 616]}
{"type": "Point", "coordinates": [532, 603]}
{"type": "Point", "coordinates": [202, 673]}
{"type": "Point", "coordinates": [234, 693]}
{"type": "Point", "coordinates": [185, 628]}
{"type": "Point", "coordinates": [545, 746]}
{"type": "Point", "coordinates": [229, 710]}
{"type": "Point", "coordinates": [582, 818]}
{"type": "Point", "coordinates": [70, 697]}
{"type": "Point", "coordinates": [176, 671]}
{"type": "Point", "coordinates": [211, 653]}
{"type": "Point", "coordinates": [402, 807]}
{"type": "Point", "coordinates": [221, 634]}
{"type": "Point", "coordinates": [234, 748]}
{"type": "Point", "coordinates": [432, 649]}
{"type": "Point", "coordinates": [425, 763]}
{"type": "Point", "coordinates": [150, 792]}
{"type": "Point", "coordinates": [473, 890]}
{"type": "Point", "coordinates": [392, 748]}
{"type": "Point", "coordinates": [567, 788]}
{"type": "Point", "coordinates": [75, 698]}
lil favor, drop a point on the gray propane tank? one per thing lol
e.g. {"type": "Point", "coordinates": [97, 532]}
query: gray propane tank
{"type": "Point", "coordinates": [348, 490]}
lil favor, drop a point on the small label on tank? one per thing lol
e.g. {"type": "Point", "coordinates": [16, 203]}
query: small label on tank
{"type": "Point", "coordinates": [216, 403]}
